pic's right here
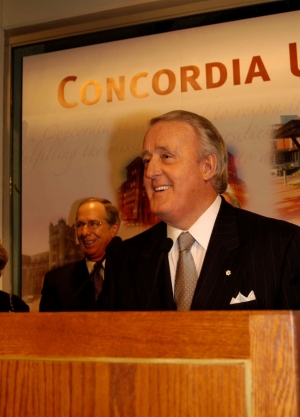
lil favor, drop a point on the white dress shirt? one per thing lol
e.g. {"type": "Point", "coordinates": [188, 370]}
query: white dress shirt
{"type": "Point", "coordinates": [201, 231]}
{"type": "Point", "coordinates": [90, 266]}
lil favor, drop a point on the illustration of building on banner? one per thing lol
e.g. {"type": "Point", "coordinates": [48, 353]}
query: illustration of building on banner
{"type": "Point", "coordinates": [63, 249]}
{"type": "Point", "coordinates": [286, 146]}
{"type": "Point", "coordinates": [133, 202]}
{"type": "Point", "coordinates": [33, 270]}
{"type": "Point", "coordinates": [285, 167]}
{"type": "Point", "coordinates": [236, 185]}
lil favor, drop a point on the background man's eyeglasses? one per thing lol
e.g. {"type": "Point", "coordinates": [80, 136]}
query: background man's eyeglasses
{"type": "Point", "coordinates": [91, 224]}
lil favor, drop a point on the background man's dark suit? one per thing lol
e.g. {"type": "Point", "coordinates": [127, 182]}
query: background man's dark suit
{"type": "Point", "coordinates": [61, 285]}
{"type": "Point", "coordinates": [246, 252]}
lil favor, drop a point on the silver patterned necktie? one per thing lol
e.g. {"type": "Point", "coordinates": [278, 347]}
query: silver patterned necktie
{"type": "Point", "coordinates": [186, 275]}
{"type": "Point", "coordinates": [97, 279]}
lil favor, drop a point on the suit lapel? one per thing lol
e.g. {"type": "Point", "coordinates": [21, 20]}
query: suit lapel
{"type": "Point", "coordinates": [219, 272]}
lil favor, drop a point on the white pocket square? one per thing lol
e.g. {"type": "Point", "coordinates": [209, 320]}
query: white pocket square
{"type": "Point", "coordinates": [240, 298]}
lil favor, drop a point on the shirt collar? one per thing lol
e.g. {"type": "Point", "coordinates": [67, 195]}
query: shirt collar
{"type": "Point", "coordinates": [201, 230]}
{"type": "Point", "coordinates": [90, 264]}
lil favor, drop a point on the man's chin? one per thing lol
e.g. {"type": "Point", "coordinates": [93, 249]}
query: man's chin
{"type": "Point", "coordinates": [167, 216]}
{"type": "Point", "coordinates": [88, 253]}
{"type": "Point", "coordinates": [162, 215]}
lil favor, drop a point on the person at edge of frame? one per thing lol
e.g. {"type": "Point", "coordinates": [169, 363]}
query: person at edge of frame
{"type": "Point", "coordinates": [10, 302]}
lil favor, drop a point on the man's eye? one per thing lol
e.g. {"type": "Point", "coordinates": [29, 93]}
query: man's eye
{"type": "Point", "coordinates": [146, 161]}
{"type": "Point", "coordinates": [94, 223]}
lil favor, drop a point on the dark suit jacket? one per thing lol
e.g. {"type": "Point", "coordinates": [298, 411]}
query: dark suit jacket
{"type": "Point", "coordinates": [16, 304]}
{"type": "Point", "coordinates": [61, 290]}
{"type": "Point", "coordinates": [247, 252]}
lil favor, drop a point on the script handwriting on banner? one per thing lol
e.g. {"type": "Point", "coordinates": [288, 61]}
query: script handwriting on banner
{"type": "Point", "coordinates": [40, 152]}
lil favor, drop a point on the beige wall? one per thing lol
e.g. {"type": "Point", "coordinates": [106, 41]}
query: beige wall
{"type": "Point", "coordinates": [18, 13]}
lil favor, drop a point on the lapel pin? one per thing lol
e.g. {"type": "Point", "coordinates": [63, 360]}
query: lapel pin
{"type": "Point", "coordinates": [228, 272]}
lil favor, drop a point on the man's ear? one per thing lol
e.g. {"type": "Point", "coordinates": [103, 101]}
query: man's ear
{"type": "Point", "coordinates": [114, 229]}
{"type": "Point", "coordinates": [209, 164]}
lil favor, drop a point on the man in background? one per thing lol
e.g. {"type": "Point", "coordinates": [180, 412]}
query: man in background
{"type": "Point", "coordinates": [81, 286]}
{"type": "Point", "coordinates": [205, 254]}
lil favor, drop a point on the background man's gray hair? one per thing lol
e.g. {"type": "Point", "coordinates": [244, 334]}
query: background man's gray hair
{"type": "Point", "coordinates": [112, 215]}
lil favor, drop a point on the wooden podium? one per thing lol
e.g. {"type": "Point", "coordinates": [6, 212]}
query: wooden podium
{"type": "Point", "coordinates": [160, 364]}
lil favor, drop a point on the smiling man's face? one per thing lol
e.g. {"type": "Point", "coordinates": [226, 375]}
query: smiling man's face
{"type": "Point", "coordinates": [173, 176]}
{"type": "Point", "coordinates": [94, 242]}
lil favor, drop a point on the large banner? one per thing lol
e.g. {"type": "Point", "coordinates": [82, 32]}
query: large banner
{"type": "Point", "coordinates": [85, 112]}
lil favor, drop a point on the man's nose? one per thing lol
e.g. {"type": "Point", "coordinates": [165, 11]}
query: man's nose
{"type": "Point", "coordinates": [153, 168]}
{"type": "Point", "coordinates": [85, 230]}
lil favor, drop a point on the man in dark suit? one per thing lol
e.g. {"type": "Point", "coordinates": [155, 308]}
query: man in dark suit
{"type": "Point", "coordinates": [238, 259]}
{"type": "Point", "coordinates": [72, 287]}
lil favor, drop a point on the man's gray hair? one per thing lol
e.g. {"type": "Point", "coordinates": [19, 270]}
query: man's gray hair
{"type": "Point", "coordinates": [112, 215]}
